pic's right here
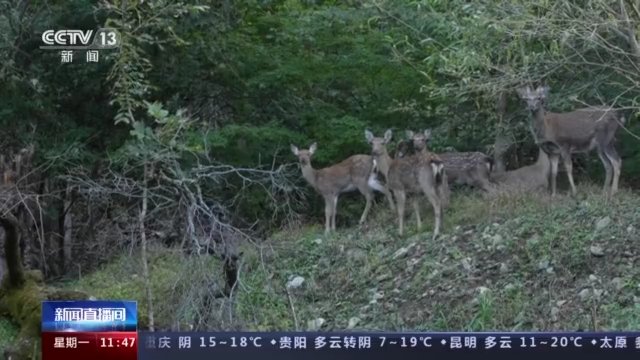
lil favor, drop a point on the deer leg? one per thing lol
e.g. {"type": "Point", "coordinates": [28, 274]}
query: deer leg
{"type": "Point", "coordinates": [416, 209]}
{"type": "Point", "coordinates": [430, 192]}
{"type": "Point", "coordinates": [444, 191]}
{"type": "Point", "coordinates": [369, 196]}
{"type": "Point", "coordinates": [333, 214]}
{"type": "Point", "coordinates": [553, 160]}
{"type": "Point", "coordinates": [616, 162]}
{"type": "Point", "coordinates": [568, 166]}
{"type": "Point", "coordinates": [401, 197]}
{"type": "Point", "coordinates": [608, 167]}
{"type": "Point", "coordinates": [328, 210]}
{"type": "Point", "coordinates": [387, 194]}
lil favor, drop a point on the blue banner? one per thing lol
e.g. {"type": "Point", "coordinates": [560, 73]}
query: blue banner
{"type": "Point", "coordinates": [383, 345]}
{"type": "Point", "coordinates": [89, 316]}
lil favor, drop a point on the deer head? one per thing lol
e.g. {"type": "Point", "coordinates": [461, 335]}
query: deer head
{"type": "Point", "coordinates": [535, 99]}
{"type": "Point", "coordinates": [304, 156]}
{"type": "Point", "coordinates": [419, 139]}
{"type": "Point", "coordinates": [378, 145]}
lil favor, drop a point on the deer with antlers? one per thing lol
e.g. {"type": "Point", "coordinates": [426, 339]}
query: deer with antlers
{"type": "Point", "coordinates": [581, 131]}
{"type": "Point", "coordinates": [422, 172]}
{"type": "Point", "coordinates": [353, 173]}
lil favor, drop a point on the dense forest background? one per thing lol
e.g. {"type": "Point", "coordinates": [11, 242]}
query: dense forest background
{"type": "Point", "coordinates": [180, 138]}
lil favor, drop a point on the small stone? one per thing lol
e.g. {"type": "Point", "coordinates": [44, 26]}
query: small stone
{"type": "Point", "coordinates": [353, 322]}
{"type": "Point", "coordinates": [495, 224]}
{"type": "Point", "coordinates": [550, 270]}
{"type": "Point", "coordinates": [596, 250]}
{"type": "Point", "coordinates": [584, 294]}
{"type": "Point", "coordinates": [630, 229]}
{"type": "Point", "coordinates": [483, 290]}
{"type": "Point", "coordinates": [377, 296]}
{"type": "Point", "coordinates": [603, 223]}
{"type": "Point", "coordinates": [457, 228]}
{"type": "Point", "coordinates": [598, 293]}
{"type": "Point", "coordinates": [383, 277]}
{"type": "Point", "coordinates": [592, 277]}
{"type": "Point", "coordinates": [403, 251]}
{"type": "Point", "coordinates": [561, 302]}
{"type": "Point", "coordinates": [504, 268]}
{"type": "Point", "coordinates": [315, 324]}
{"type": "Point", "coordinates": [543, 264]}
{"type": "Point", "coordinates": [500, 247]}
{"type": "Point", "coordinates": [466, 264]}
{"type": "Point", "coordinates": [554, 313]}
{"type": "Point", "coordinates": [295, 282]}
{"type": "Point", "coordinates": [497, 239]}
{"type": "Point", "coordinates": [617, 283]}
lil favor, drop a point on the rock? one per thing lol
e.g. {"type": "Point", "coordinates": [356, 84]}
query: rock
{"type": "Point", "coordinates": [630, 229]}
{"type": "Point", "coordinates": [495, 224]}
{"type": "Point", "coordinates": [504, 268]}
{"type": "Point", "coordinates": [598, 293]}
{"type": "Point", "coordinates": [585, 294]}
{"type": "Point", "coordinates": [457, 228]}
{"type": "Point", "coordinates": [483, 290]}
{"type": "Point", "coordinates": [500, 247]}
{"type": "Point", "coordinates": [603, 223]}
{"type": "Point", "coordinates": [383, 277]}
{"type": "Point", "coordinates": [617, 283]}
{"type": "Point", "coordinates": [466, 264]}
{"type": "Point", "coordinates": [315, 324]}
{"type": "Point", "coordinates": [403, 251]}
{"type": "Point", "coordinates": [510, 287]}
{"type": "Point", "coordinates": [561, 302]}
{"type": "Point", "coordinates": [468, 232]}
{"type": "Point", "coordinates": [318, 241]}
{"type": "Point", "coordinates": [353, 322]}
{"type": "Point", "coordinates": [596, 250]}
{"type": "Point", "coordinates": [497, 239]}
{"type": "Point", "coordinates": [543, 264]}
{"type": "Point", "coordinates": [550, 270]}
{"type": "Point", "coordinates": [592, 277]}
{"type": "Point", "coordinates": [295, 282]}
{"type": "Point", "coordinates": [378, 295]}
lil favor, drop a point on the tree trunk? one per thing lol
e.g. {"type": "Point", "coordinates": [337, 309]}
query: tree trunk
{"type": "Point", "coordinates": [143, 245]}
{"type": "Point", "coordinates": [502, 140]}
{"type": "Point", "coordinates": [12, 250]}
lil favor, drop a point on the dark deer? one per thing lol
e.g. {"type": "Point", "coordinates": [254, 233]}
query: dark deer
{"type": "Point", "coordinates": [353, 173]}
{"type": "Point", "coordinates": [579, 131]}
{"type": "Point", "coordinates": [409, 174]}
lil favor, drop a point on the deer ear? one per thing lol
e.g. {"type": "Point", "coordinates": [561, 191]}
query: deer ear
{"type": "Point", "coordinates": [294, 150]}
{"type": "Point", "coordinates": [387, 136]}
{"type": "Point", "coordinates": [313, 148]}
{"type": "Point", "coordinates": [408, 134]}
{"type": "Point", "coordinates": [368, 135]}
{"type": "Point", "coordinates": [427, 134]}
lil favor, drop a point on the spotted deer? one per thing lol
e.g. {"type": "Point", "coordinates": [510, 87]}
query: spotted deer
{"type": "Point", "coordinates": [470, 168]}
{"type": "Point", "coordinates": [526, 178]}
{"type": "Point", "coordinates": [353, 173]}
{"type": "Point", "coordinates": [409, 175]}
{"type": "Point", "coordinates": [580, 131]}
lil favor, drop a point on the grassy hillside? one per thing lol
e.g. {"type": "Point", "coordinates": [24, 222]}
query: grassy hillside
{"type": "Point", "coordinates": [525, 262]}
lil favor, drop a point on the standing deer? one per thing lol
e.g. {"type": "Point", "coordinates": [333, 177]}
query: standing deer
{"type": "Point", "coordinates": [579, 131]}
{"type": "Point", "coordinates": [409, 174]}
{"type": "Point", "coordinates": [527, 178]}
{"type": "Point", "coordinates": [353, 173]}
{"type": "Point", "coordinates": [470, 168]}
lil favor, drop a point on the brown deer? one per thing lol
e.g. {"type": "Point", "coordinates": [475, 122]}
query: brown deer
{"type": "Point", "coordinates": [579, 131]}
{"type": "Point", "coordinates": [470, 168]}
{"type": "Point", "coordinates": [353, 173]}
{"type": "Point", "coordinates": [409, 174]}
{"type": "Point", "coordinates": [527, 178]}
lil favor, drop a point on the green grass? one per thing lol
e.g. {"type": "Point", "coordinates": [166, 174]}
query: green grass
{"type": "Point", "coordinates": [8, 332]}
{"type": "Point", "coordinates": [517, 262]}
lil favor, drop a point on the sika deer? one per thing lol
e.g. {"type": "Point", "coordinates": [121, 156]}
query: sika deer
{"type": "Point", "coordinates": [579, 131]}
{"type": "Point", "coordinates": [470, 168]}
{"type": "Point", "coordinates": [410, 174]}
{"type": "Point", "coordinates": [527, 178]}
{"type": "Point", "coordinates": [353, 173]}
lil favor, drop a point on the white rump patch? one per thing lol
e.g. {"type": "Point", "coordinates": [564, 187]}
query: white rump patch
{"type": "Point", "coordinates": [374, 183]}
{"type": "Point", "coordinates": [437, 168]}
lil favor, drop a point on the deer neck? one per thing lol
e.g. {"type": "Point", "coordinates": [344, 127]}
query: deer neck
{"type": "Point", "coordinates": [384, 161]}
{"type": "Point", "coordinates": [309, 174]}
{"type": "Point", "coordinates": [537, 124]}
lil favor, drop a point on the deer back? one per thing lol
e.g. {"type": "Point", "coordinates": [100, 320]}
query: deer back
{"type": "Point", "coordinates": [345, 175]}
{"type": "Point", "coordinates": [581, 129]}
